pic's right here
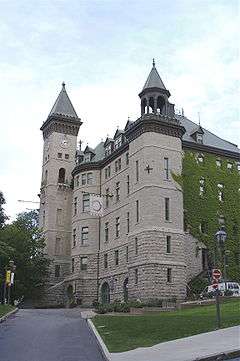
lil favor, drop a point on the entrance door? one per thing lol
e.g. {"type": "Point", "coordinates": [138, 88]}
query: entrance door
{"type": "Point", "coordinates": [105, 293]}
{"type": "Point", "coordinates": [125, 290]}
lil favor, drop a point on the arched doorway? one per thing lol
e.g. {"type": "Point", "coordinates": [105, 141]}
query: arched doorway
{"type": "Point", "coordinates": [105, 293]}
{"type": "Point", "coordinates": [125, 290]}
{"type": "Point", "coordinates": [70, 292]}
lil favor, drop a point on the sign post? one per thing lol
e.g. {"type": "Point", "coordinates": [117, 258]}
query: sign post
{"type": "Point", "coordinates": [216, 275]}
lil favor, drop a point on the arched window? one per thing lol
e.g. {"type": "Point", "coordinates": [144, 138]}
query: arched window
{"type": "Point", "coordinates": [160, 105]}
{"type": "Point", "coordinates": [105, 293]}
{"type": "Point", "coordinates": [61, 175]}
{"type": "Point", "coordinates": [144, 106]}
{"type": "Point", "coordinates": [151, 105]}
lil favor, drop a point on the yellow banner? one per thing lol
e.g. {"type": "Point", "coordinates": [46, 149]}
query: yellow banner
{"type": "Point", "coordinates": [8, 277]}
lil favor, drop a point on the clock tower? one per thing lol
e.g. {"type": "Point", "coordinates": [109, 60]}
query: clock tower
{"type": "Point", "coordinates": [60, 132]}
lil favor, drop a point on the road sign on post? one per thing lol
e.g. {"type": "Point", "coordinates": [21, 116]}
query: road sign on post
{"type": "Point", "coordinates": [216, 274]}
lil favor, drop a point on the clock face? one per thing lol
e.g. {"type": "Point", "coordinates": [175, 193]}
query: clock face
{"type": "Point", "coordinates": [64, 143]}
{"type": "Point", "coordinates": [96, 205]}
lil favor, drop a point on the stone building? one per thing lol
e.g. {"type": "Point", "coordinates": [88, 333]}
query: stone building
{"type": "Point", "coordinates": [138, 248]}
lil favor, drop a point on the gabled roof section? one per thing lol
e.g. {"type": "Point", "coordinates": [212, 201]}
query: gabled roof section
{"type": "Point", "coordinates": [197, 129]}
{"type": "Point", "coordinates": [118, 133]}
{"type": "Point", "coordinates": [89, 150]}
{"type": "Point", "coordinates": [154, 80]}
{"type": "Point", "coordinates": [107, 141]}
{"type": "Point", "coordinates": [63, 105]}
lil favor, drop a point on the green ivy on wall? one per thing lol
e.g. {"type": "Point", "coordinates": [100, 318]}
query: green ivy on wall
{"type": "Point", "coordinates": [203, 212]}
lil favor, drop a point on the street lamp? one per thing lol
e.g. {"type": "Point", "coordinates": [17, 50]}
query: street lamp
{"type": "Point", "coordinates": [221, 237]}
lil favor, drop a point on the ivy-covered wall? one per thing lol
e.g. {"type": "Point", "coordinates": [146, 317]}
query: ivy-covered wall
{"type": "Point", "coordinates": [204, 211]}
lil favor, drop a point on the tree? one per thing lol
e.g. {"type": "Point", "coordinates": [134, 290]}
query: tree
{"type": "Point", "coordinates": [26, 247]}
{"type": "Point", "coordinates": [3, 216]}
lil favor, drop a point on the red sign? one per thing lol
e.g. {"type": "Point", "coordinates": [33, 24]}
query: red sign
{"type": "Point", "coordinates": [216, 274]}
{"type": "Point", "coordinates": [215, 285]}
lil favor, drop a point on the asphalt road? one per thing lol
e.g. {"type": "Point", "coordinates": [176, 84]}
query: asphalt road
{"type": "Point", "coordinates": [47, 335]}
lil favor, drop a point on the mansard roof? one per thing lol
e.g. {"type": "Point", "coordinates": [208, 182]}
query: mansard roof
{"type": "Point", "coordinates": [63, 105]}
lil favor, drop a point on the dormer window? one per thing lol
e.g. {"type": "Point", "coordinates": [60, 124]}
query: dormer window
{"type": "Point", "coordinates": [87, 157]}
{"type": "Point", "coordinates": [118, 142]}
{"type": "Point", "coordinates": [108, 150]}
{"type": "Point", "coordinates": [199, 138]}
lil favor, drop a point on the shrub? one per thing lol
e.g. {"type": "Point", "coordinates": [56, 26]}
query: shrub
{"type": "Point", "coordinates": [136, 304]}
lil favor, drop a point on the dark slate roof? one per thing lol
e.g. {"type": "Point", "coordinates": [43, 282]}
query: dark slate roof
{"type": "Point", "coordinates": [154, 80]}
{"type": "Point", "coordinates": [63, 105]}
{"type": "Point", "coordinates": [99, 152]}
{"type": "Point", "coordinates": [209, 139]}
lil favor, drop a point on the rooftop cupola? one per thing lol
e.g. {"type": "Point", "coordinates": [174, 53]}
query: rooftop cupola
{"type": "Point", "coordinates": [154, 95]}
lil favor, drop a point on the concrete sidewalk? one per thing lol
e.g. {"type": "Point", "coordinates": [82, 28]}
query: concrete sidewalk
{"type": "Point", "coordinates": [186, 349]}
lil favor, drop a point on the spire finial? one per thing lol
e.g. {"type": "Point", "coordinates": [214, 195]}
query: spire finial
{"type": "Point", "coordinates": [153, 62]}
{"type": "Point", "coordinates": [199, 119]}
{"type": "Point", "coordinates": [63, 85]}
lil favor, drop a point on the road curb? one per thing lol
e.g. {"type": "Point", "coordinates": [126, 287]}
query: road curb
{"type": "Point", "coordinates": [101, 344]}
{"type": "Point", "coordinates": [3, 318]}
{"type": "Point", "coordinates": [228, 355]}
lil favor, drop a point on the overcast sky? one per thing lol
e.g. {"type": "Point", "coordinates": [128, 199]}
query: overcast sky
{"type": "Point", "coordinates": [103, 50]}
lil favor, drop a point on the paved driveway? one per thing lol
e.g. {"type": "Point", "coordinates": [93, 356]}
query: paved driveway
{"type": "Point", "coordinates": [47, 335]}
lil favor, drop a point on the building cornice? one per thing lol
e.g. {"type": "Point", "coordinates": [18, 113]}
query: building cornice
{"type": "Point", "coordinates": [208, 149]}
{"type": "Point", "coordinates": [61, 124]}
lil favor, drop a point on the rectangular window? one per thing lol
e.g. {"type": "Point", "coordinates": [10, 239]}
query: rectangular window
{"type": "Point", "coordinates": [116, 257]}
{"type": "Point", "coordinates": [229, 165]}
{"type": "Point", "coordinates": [89, 178]}
{"type": "Point", "coordinates": [106, 232]}
{"type": "Point", "coordinates": [84, 236]}
{"type": "Point", "coordinates": [127, 254]}
{"type": "Point", "coordinates": [136, 246]}
{"type": "Point", "coordinates": [57, 271]}
{"type": "Point", "coordinates": [106, 173]}
{"type": "Point", "coordinates": [107, 197]}
{"type": "Point", "coordinates": [169, 275]}
{"type": "Point", "coordinates": [77, 181]}
{"type": "Point", "coordinates": [74, 237]}
{"type": "Point", "coordinates": [218, 163]}
{"type": "Point", "coordinates": [83, 263]}
{"type": "Point", "coordinates": [166, 168]}
{"type": "Point", "coordinates": [136, 276]}
{"type": "Point", "coordinates": [199, 138]}
{"type": "Point", "coordinates": [128, 185]}
{"type": "Point", "coordinates": [109, 171]}
{"type": "Point", "coordinates": [44, 218]}
{"type": "Point", "coordinates": [168, 244]}
{"type": "Point", "coordinates": [75, 206]}
{"type": "Point", "coordinates": [66, 156]}
{"type": "Point", "coordinates": [73, 265]}
{"type": "Point", "coordinates": [127, 158]}
{"type": "Point", "coordinates": [118, 142]}
{"type": "Point", "coordinates": [59, 217]}
{"type": "Point", "coordinates": [220, 192]}
{"type": "Point", "coordinates": [108, 150]}
{"type": "Point", "coordinates": [105, 260]}
{"type": "Point", "coordinates": [137, 171]}
{"type": "Point", "coordinates": [86, 202]}
{"type": "Point", "coordinates": [59, 155]}
{"type": "Point", "coordinates": [118, 165]}
{"type": "Point", "coordinates": [201, 186]}
{"type": "Point", "coordinates": [117, 226]}
{"type": "Point", "coordinates": [58, 246]}
{"type": "Point", "coordinates": [128, 222]}
{"type": "Point", "coordinates": [137, 211]}
{"type": "Point", "coordinates": [117, 191]}
{"type": "Point", "coordinates": [167, 215]}
{"type": "Point", "coordinates": [84, 179]}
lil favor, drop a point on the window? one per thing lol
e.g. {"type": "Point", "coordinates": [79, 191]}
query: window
{"type": "Point", "coordinates": [118, 165]}
{"type": "Point", "coordinates": [137, 211]}
{"type": "Point", "coordinates": [116, 257]}
{"type": "Point", "coordinates": [61, 175]}
{"type": "Point", "coordinates": [105, 260]}
{"type": "Point", "coordinates": [167, 209]}
{"type": "Point", "coordinates": [220, 192]}
{"type": "Point", "coordinates": [229, 165]}
{"type": "Point", "coordinates": [59, 155]}
{"type": "Point", "coordinates": [86, 202]}
{"type": "Point", "coordinates": [107, 172]}
{"type": "Point", "coordinates": [127, 254]}
{"type": "Point", "coordinates": [89, 178]}
{"type": "Point", "coordinates": [200, 158]}
{"type": "Point", "coordinates": [77, 181]}
{"type": "Point", "coordinates": [84, 179]}
{"type": "Point", "coordinates": [106, 231]}
{"type": "Point", "coordinates": [46, 176]}
{"type": "Point", "coordinates": [136, 246]}
{"type": "Point", "coordinates": [57, 271]}
{"type": "Point", "coordinates": [117, 226]}
{"type": "Point", "coordinates": [169, 275]}
{"type": "Point", "coordinates": [44, 218]}
{"type": "Point", "coordinates": [108, 150]}
{"type": "Point", "coordinates": [83, 263]}
{"type": "Point", "coordinates": [84, 236]}
{"type": "Point", "coordinates": [201, 186]}
{"type": "Point", "coordinates": [74, 237]}
{"type": "Point", "coordinates": [59, 217]}
{"type": "Point", "coordinates": [136, 276]}
{"type": "Point", "coordinates": [168, 244]}
{"type": "Point", "coordinates": [107, 197]}
{"type": "Point", "coordinates": [66, 156]}
{"type": "Point", "coordinates": [118, 142]}
{"type": "Point", "coordinates": [127, 158]}
{"type": "Point", "coordinates": [128, 185]}
{"type": "Point", "coordinates": [117, 191]}
{"type": "Point", "coordinates": [128, 222]}
{"type": "Point", "coordinates": [199, 138]}
{"type": "Point", "coordinates": [137, 171]}
{"type": "Point", "coordinates": [238, 167]}
{"type": "Point", "coordinates": [73, 265]}
{"type": "Point", "coordinates": [57, 246]}
{"type": "Point", "coordinates": [75, 206]}
{"type": "Point", "coordinates": [166, 168]}
{"type": "Point", "coordinates": [87, 157]}
{"type": "Point", "coordinates": [218, 163]}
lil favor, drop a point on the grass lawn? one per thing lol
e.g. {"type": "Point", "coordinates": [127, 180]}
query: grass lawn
{"type": "Point", "coordinates": [5, 309]}
{"type": "Point", "coordinates": [122, 333]}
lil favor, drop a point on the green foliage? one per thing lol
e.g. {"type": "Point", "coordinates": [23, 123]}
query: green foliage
{"type": "Point", "coordinates": [3, 216]}
{"type": "Point", "coordinates": [207, 208]}
{"type": "Point", "coordinates": [24, 244]}
{"type": "Point", "coordinates": [197, 285]}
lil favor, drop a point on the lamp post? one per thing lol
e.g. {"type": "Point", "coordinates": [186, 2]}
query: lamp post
{"type": "Point", "coordinates": [221, 237]}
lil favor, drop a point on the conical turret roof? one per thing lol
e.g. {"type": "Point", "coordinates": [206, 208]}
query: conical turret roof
{"type": "Point", "coordinates": [154, 80]}
{"type": "Point", "coordinates": [63, 105]}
